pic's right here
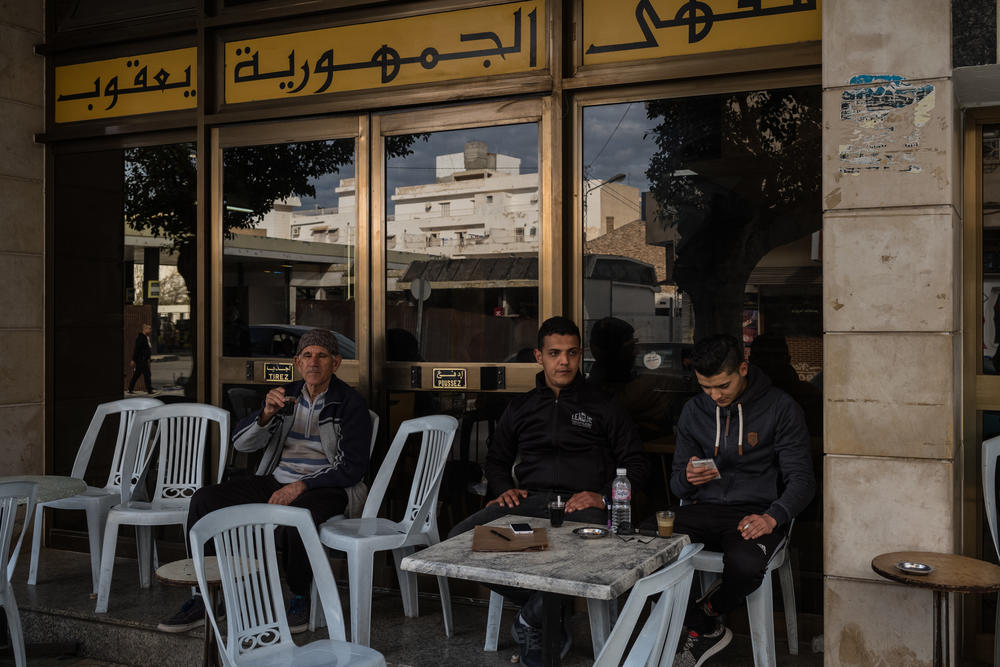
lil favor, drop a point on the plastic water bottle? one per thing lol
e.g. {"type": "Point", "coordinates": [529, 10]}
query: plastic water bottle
{"type": "Point", "coordinates": [621, 495]}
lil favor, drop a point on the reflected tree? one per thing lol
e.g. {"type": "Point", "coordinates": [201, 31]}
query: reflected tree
{"type": "Point", "coordinates": [161, 187]}
{"type": "Point", "coordinates": [736, 176]}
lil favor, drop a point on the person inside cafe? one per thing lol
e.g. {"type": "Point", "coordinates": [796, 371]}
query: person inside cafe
{"type": "Point", "coordinates": [568, 438]}
{"type": "Point", "coordinates": [315, 435]}
{"type": "Point", "coordinates": [743, 470]}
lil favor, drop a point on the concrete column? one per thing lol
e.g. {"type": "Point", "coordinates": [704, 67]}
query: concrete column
{"type": "Point", "coordinates": [22, 241]}
{"type": "Point", "coordinates": [892, 285]}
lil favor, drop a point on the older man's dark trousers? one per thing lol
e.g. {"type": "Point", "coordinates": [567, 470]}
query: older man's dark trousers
{"type": "Point", "coordinates": [322, 503]}
{"type": "Point", "coordinates": [744, 561]}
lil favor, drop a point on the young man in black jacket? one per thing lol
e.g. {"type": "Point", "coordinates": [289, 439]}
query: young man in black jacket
{"type": "Point", "coordinates": [570, 437]}
{"type": "Point", "coordinates": [756, 436]}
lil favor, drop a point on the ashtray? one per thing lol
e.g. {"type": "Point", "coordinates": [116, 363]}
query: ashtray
{"type": "Point", "coordinates": [591, 533]}
{"type": "Point", "coordinates": [910, 567]}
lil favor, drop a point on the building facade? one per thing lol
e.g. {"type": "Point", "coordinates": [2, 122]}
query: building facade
{"type": "Point", "coordinates": [819, 173]}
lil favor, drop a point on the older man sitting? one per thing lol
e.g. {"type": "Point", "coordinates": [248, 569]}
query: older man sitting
{"type": "Point", "coordinates": [315, 435]}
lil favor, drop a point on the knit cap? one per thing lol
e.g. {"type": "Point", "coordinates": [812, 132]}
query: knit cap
{"type": "Point", "coordinates": [321, 337]}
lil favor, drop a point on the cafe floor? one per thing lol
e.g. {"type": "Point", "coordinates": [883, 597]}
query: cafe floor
{"type": "Point", "coordinates": [63, 630]}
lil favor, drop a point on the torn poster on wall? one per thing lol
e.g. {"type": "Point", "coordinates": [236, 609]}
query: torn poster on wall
{"type": "Point", "coordinates": [887, 114]}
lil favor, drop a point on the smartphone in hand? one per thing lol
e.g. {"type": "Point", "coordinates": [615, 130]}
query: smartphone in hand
{"type": "Point", "coordinates": [708, 464]}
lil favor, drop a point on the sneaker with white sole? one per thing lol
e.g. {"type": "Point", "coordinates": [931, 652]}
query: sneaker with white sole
{"type": "Point", "coordinates": [529, 640]}
{"type": "Point", "coordinates": [697, 649]}
{"type": "Point", "coordinates": [298, 614]}
{"type": "Point", "coordinates": [191, 615]}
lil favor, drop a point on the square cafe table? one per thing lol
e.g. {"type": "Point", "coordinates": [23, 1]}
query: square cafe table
{"type": "Point", "coordinates": [595, 569]}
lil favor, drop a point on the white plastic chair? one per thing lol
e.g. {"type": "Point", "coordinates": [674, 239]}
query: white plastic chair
{"type": "Point", "coordinates": [361, 538]}
{"type": "Point", "coordinates": [10, 494]}
{"type": "Point", "coordinates": [182, 435]}
{"type": "Point", "coordinates": [97, 502]}
{"type": "Point", "coordinates": [991, 450]}
{"type": "Point", "coordinates": [315, 618]}
{"type": "Point", "coordinates": [257, 632]}
{"type": "Point", "coordinates": [657, 640]}
{"type": "Point", "coordinates": [760, 603]}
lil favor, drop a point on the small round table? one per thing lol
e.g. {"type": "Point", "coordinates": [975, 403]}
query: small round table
{"type": "Point", "coordinates": [952, 574]}
{"type": "Point", "coordinates": [181, 573]}
{"type": "Point", "coordinates": [50, 487]}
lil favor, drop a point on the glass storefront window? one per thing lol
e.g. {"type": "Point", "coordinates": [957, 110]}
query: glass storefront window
{"type": "Point", "coordinates": [160, 266]}
{"type": "Point", "coordinates": [462, 237]}
{"type": "Point", "coordinates": [991, 248]}
{"type": "Point", "coordinates": [702, 215]}
{"type": "Point", "coordinates": [289, 251]}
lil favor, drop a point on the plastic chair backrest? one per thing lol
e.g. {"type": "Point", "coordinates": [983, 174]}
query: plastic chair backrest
{"type": "Point", "coordinates": [662, 628]}
{"type": "Point", "coordinates": [373, 416]}
{"type": "Point", "coordinates": [181, 435]}
{"type": "Point", "coordinates": [126, 408]}
{"type": "Point", "coordinates": [244, 544]}
{"type": "Point", "coordinates": [10, 495]}
{"type": "Point", "coordinates": [437, 433]}
{"type": "Point", "coordinates": [991, 451]}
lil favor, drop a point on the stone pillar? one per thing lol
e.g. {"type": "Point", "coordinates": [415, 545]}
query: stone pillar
{"type": "Point", "coordinates": [892, 287]}
{"type": "Point", "coordinates": [22, 241]}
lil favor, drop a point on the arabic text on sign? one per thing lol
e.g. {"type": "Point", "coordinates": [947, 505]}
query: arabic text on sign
{"type": "Point", "coordinates": [617, 32]}
{"type": "Point", "coordinates": [277, 372]}
{"type": "Point", "coordinates": [449, 378]}
{"type": "Point", "coordinates": [144, 83]}
{"type": "Point", "coordinates": [499, 39]}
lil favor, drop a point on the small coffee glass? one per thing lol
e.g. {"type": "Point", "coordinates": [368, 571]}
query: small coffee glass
{"type": "Point", "coordinates": [557, 512]}
{"type": "Point", "coordinates": [665, 523]}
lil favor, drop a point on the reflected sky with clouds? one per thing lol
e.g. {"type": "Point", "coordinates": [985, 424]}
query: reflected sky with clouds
{"type": "Point", "coordinates": [614, 142]}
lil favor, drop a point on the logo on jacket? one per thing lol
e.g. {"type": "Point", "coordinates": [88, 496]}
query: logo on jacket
{"type": "Point", "coordinates": [752, 438]}
{"type": "Point", "coordinates": [581, 419]}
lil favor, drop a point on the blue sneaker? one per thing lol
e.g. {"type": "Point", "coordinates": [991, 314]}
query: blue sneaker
{"type": "Point", "coordinates": [191, 615]}
{"type": "Point", "coordinates": [529, 641]}
{"type": "Point", "coordinates": [298, 614]}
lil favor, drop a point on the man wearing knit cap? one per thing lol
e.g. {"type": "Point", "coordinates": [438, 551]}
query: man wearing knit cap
{"type": "Point", "coordinates": [315, 434]}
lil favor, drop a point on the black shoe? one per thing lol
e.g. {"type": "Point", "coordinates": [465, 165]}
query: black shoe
{"type": "Point", "coordinates": [298, 614]}
{"type": "Point", "coordinates": [529, 640]}
{"type": "Point", "coordinates": [191, 615]}
{"type": "Point", "coordinates": [697, 649]}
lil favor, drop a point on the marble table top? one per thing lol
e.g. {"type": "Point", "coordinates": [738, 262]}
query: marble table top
{"type": "Point", "coordinates": [50, 487]}
{"type": "Point", "coordinates": [600, 569]}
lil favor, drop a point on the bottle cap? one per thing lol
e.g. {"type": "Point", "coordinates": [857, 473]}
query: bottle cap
{"type": "Point", "coordinates": [620, 471]}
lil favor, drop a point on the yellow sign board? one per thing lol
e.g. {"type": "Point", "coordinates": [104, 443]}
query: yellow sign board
{"type": "Point", "coordinates": [642, 29]}
{"type": "Point", "coordinates": [449, 378]}
{"type": "Point", "coordinates": [500, 39]}
{"type": "Point", "coordinates": [144, 83]}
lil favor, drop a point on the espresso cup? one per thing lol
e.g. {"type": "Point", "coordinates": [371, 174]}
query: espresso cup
{"type": "Point", "coordinates": [665, 523]}
{"type": "Point", "coordinates": [557, 512]}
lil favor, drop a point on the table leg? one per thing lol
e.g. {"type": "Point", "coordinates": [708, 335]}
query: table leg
{"type": "Point", "coordinates": [942, 630]}
{"type": "Point", "coordinates": [599, 612]}
{"type": "Point", "coordinates": [210, 657]}
{"type": "Point", "coordinates": [551, 625]}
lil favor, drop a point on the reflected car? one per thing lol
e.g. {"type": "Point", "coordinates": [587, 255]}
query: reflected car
{"type": "Point", "coordinates": [281, 340]}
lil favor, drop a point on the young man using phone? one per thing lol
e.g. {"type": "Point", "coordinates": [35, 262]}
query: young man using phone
{"type": "Point", "coordinates": [570, 437]}
{"type": "Point", "coordinates": [761, 479]}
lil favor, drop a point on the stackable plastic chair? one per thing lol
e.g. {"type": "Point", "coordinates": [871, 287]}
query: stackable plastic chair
{"type": "Point", "coordinates": [657, 640]}
{"type": "Point", "coordinates": [361, 538]}
{"type": "Point", "coordinates": [315, 618]}
{"type": "Point", "coordinates": [991, 450]}
{"type": "Point", "coordinates": [97, 502]}
{"type": "Point", "coordinates": [760, 603]}
{"type": "Point", "coordinates": [257, 632]}
{"type": "Point", "coordinates": [182, 436]}
{"type": "Point", "coordinates": [10, 494]}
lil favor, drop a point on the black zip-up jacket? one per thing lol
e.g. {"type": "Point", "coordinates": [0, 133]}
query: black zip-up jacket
{"type": "Point", "coordinates": [570, 443]}
{"type": "Point", "coordinates": [763, 454]}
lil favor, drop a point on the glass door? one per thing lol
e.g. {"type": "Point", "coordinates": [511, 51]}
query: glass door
{"type": "Point", "coordinates": [290, 237]}
{"type": "Point", "coordinates": [463, 238]}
